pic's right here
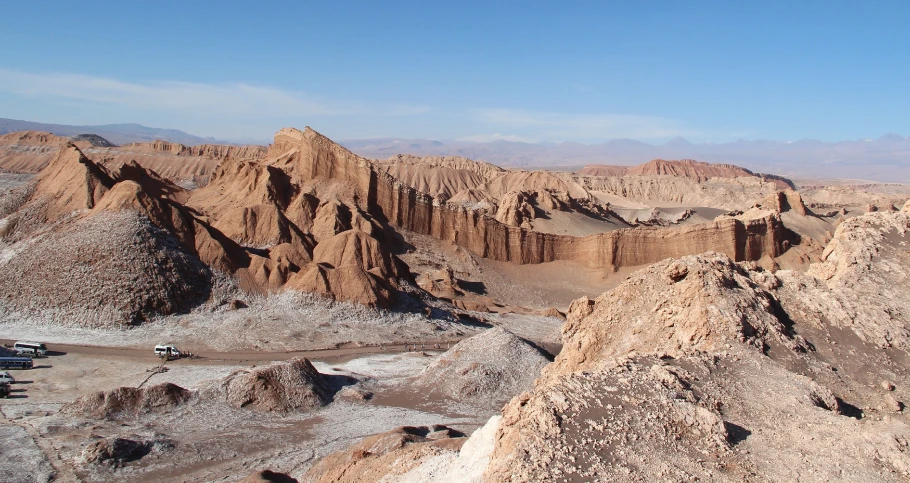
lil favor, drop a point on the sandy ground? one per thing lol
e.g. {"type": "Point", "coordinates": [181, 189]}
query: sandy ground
{"type": "Point", "coordinates": [289, 321]}
{"type": "Point", "coordinates": [537, 286]}
{"type": "Point", "coordinates": [214, 442]}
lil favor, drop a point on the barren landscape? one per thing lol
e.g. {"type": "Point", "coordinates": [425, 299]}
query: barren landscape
{"type": "Point", "coordinates": [411, 319]}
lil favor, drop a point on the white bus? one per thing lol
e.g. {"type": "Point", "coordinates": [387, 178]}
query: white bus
{"type": "Point", "coordinates": [167, 351]}
{"type": "Point", "coordinates": [34, 349]}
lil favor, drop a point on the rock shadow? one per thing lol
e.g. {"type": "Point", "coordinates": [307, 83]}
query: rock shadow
{"type": "Point", "coordinates": [735, 433]}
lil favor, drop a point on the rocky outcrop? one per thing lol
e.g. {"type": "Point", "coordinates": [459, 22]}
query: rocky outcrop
{"type": "Point", "coordinates": [152, 183]}
{"type": "Point", "coordinates": [128, 402]}
{"type": "Point", "coordinates": [294, 385]}
{"type": "Point", "coordinates": [697, 171]}
{"type": "Point", "coordinates": [690, 360]}
{"type": "Point", "coordinates": [784, 201]}
{"type": "Point", "coordinates": [264, 221]}
{"type": "Point", "coordinates": [514, 210]}
{"type": "Point", "coordinates": [701, 172]}
{"type": "Point", "coordinates": [71, 182]}
{"type": "Point", "coordinates": [210, 245]}
{"type": "Point", "coordinates": [486, 171]}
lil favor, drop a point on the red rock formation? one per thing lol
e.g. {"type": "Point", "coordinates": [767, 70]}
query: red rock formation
{"type": "Point", "coordinates": [307, 155]}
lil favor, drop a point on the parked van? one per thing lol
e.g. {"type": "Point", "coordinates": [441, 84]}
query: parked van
{"type": "Point", "coordinates": [166, 350]}
{"type": "Point", "coordinates": [4, 390]}
{"type": "Point", "coordinates": [34, 349]}
{"type": "Point", "coordinates": [15, 363]}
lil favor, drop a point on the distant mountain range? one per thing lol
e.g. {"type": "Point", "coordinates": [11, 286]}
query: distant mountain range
{"type": "Point", "coordinates": [886, 159]}
{"type": "Point", "coordinates": [115, 133]}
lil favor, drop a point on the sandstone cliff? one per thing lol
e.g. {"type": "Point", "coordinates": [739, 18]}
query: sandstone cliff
{"type": "Point", "coordinates": [308, 155]}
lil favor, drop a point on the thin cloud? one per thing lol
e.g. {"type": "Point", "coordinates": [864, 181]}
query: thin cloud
{"type": "Point", "coordinates": [552, 125]}
{"type": "Point", "coordinates": [233, 99]}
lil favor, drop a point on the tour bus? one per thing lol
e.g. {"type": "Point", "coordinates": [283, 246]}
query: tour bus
{"type": "Point", "coordinates": [34, 349]}
{"type": "Point", "coordinates": [15, 363]}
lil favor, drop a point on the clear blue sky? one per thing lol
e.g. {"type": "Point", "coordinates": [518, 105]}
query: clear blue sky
{"type": "Point", "coordinates": [539, 71]}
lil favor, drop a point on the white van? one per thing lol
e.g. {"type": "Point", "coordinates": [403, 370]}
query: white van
{"type": "Point", "coordinates": [34, 349]}
{"type": "Point", "coordinates": [166, 350]}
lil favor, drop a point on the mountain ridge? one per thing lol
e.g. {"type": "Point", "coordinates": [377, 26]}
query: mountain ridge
{"type": "Point", "coordinates": [122, 133]}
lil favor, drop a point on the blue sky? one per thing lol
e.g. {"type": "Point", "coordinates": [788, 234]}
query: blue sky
{"type": "Point", "coordinates": [534, 71]}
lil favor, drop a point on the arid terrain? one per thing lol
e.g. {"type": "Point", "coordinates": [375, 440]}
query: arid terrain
{"type": "Point", "coordinates": [439, 318]}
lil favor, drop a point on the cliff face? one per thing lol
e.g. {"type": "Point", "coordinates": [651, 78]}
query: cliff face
{"type": "Point", "coordinates": [741, 240]}
{"type": "Point", "coordinates": [309, 155]}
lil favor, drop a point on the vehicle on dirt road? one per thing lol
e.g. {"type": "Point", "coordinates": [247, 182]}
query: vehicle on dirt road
{"type": "Point", "coordinates": [4, 389]}
{"type": "Point", "coordinates": [34, 349]}
{"type": "Point", "coordinates": [167, 351]}
{"type": "Point", "coordinates": [6, 377]}
{"type": "Point", "coordinates": [15, 363]}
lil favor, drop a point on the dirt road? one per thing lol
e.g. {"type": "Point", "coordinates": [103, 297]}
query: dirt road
{"type": "Point", "coordinates": [235, 356]}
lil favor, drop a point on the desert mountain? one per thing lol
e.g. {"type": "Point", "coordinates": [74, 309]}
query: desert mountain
{"type": "Point", "coordinates": [309, 215]}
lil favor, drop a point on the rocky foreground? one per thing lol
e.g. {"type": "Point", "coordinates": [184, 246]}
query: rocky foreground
{"type": "Point", "coordinates": [704, 368]}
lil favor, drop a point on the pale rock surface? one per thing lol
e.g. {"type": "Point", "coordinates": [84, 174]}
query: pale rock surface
{"type": "Point", "coordinates": [487, 368]}
{"type": "Point", "coordinates": [701, 368]}
{"type": "Point", "coordinates": [386, 456]}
